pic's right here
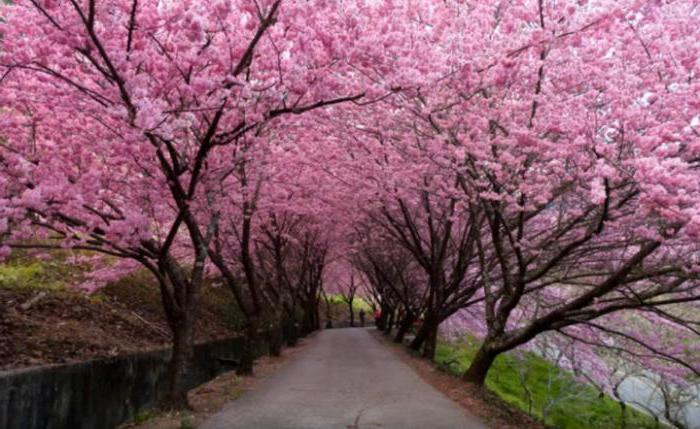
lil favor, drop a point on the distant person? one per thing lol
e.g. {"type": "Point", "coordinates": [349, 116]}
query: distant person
{"type": "Point", "coordinates": [362, 317]}
{"type": "Point", "coordinates": [377, 316]}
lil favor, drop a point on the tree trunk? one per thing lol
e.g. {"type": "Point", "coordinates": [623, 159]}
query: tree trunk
{"type": "Point", "coordinates": [424, 332]}
{"type": "Point", "coordinates": [404, 326]}
{"type": "Point", "coordinates": [479, 368]}
{"type": "Point", "coordinates": [312, 320]}
{"type": "Point", "coordinates": [309, 320]}
{"type": "Point", "coordinates": [390, 323]}
{"type": "Point", "coordinates": [623, 415]}
{"type": "Point", "coordinates": [250, 341]}
{"type": "Point", "coordinates": [430, 343]}
{"type": "Point", "coordinates": [329, 316]}
{"type": "Point", "coordinates": [275, 338]}
{"type": "Point", "coordinates": [291, 331]}
{"type": "Point", "coordinates": [317, 316]}
{"type": "Point", "coordinates": [306, 321]}
{"type": "Point", "coordinates": [180, 317]}
{"type": "Point", "coordinates": [179, 366]}
{"type": "Point", "coordinates": [420, 337]}
{"type": "Point", "coordinates": [352, 314]}
{"type": "Point", "coordinates": [381, 320]}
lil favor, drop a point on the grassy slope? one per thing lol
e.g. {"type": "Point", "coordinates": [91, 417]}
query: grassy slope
{"type": "Point", "coordinates": [339, 310]}
{"type": "Point", "coordinates": [357, 304]}
{"type": "Point", "coordinates": [581, 406]}
{"type": "Point", "coordinates": [44, 320]}
{"type": "Point", "coordinates": [23, 271]}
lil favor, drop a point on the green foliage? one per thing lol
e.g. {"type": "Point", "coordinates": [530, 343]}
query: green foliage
{"type": "Point", "coordinates": [144, 416]}
{"type": "Point", "coordinates": [541, 389]}
{"type": "Point", "coordinates": [357, 304]}
{"type": "Point", "coordinates": [336, 299]}
{"type": "Point", "coordinates": [360, 304]}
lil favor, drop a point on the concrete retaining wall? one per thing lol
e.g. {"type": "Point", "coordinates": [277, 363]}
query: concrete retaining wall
{"type": "Point", "coordinates": [98, 394]}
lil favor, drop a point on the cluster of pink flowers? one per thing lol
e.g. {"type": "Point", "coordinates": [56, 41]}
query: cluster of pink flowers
{"type": "Point", "coordinates": [537, 160]}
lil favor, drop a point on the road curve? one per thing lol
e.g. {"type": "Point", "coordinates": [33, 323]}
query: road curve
{"type": "Point", "coordinates": [345, 379]}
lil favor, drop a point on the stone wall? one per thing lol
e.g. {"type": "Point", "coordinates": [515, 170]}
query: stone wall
{"type": "Point", "coordinates": [98, 394]}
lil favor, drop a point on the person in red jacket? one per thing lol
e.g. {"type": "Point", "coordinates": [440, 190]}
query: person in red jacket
{"type": "Point", "coordinates": [377, 315]}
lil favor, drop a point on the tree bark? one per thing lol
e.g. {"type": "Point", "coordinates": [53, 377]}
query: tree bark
{"type": "Point", "coordinates": [329, 317]}
{"type": "Point", "coordinates": [316, 317]}
{"type": "Point", "coordinates": [352, 314]}
{"type": "Point", "coordinates": [404, 326]}
{"type": "Point", "coordinates": [381, 320]}
{"type": "Point", "coordinates": [429, 324]}
{"type": "Point", "coordinates": [291, 330]}
{"type": "Point", "coordinates": [250, 341]}
{"type": "Point", "coordinates": [309, 322]}
{"type": "Point", "coordinates": [179, 366]}
{"type": "Point", "coordinates": [430, 343]}
{"type": "Point", "coordinates": [275, 338]}
{"type": "Point", "coordinates": [420, 337]}
{"type": "Point", "coordinates": [180, 317]}
{"type": "Point", "coordinates": [390, 323]}
{"type": "Point", "coordinates": [479, 368]}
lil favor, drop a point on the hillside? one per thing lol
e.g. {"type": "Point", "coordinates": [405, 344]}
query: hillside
{"type": "Point", "coordinates": [44, 320]}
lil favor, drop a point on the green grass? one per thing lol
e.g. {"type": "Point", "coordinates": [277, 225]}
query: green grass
{"type": "Point", "coordinates": [357, 304]}
{"type": "Point", "coordinates": [144, 416]}
{"type": "Point", "coordinates": [546, 392]}
{"type": "Point", "coordinates": [35, 273]}
{"type": "Point", "coordinates": [360, 304]}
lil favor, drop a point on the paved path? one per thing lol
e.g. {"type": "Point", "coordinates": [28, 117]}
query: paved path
{"type": "Point", "coordinates": [345, 379]}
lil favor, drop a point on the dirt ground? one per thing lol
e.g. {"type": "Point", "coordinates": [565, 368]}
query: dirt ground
{"type": "Point", "coordinates": [58, 326]}
{"type": "Point", "coordinates": [479, 401]}
{"type": "Point", "coordinates": [211, 397]}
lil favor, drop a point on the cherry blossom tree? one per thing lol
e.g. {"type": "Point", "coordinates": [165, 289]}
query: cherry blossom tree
{"type": "Point", "coordinates": [348, 291]}
{"type": "Point", "coordinates": [395, 281]}
{"type": "Point", "coordinates": [571, 134]}
{"type": "Point", "coordinates": [115, 114]}
{"type": "Point", "coordinates": [519, 168]}
{"type": "Point", "coordinates": [583, 227]}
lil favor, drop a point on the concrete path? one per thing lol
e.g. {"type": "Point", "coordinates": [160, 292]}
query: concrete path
{"type": "Point", "coordinates": [345, 379]}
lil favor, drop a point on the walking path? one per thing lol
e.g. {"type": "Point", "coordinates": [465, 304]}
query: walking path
{"type": "Point", "coordinates": [345, 379]}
